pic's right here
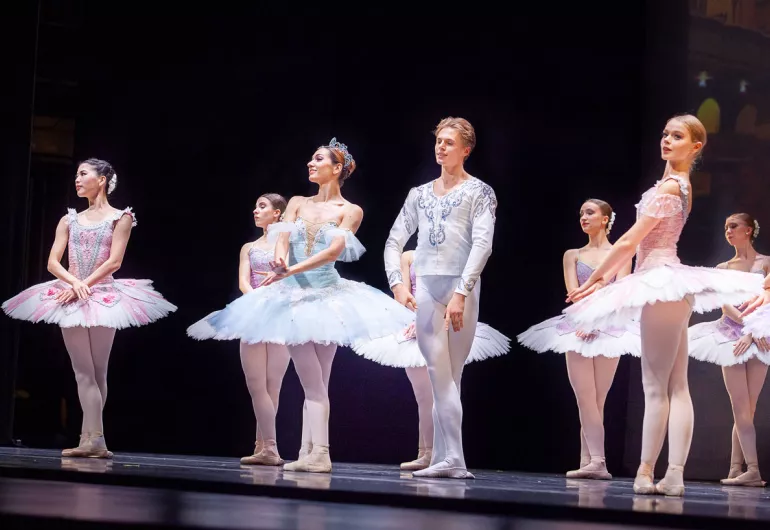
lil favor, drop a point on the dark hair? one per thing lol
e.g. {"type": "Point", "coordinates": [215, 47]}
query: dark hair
{"type": "Point", "coordinates": [605, 208]}
{"type": "Point", "coordinates": [750, 222]}
{"type": "Point", "coordinates": [105, 169]}
{"type": "Point", "coordinates": [278, 201]}
{"type": "Point", "coordinates": [338, 157]}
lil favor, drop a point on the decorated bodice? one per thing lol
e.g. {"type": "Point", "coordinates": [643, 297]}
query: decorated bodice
{"type": "Point", "coordinates": [259, 261]}
{"type": "Point", "coordinates": [584, 271]}
{"type": "Point", "coordinates": [89, 245]}
{"type": "Point", "coordinates": [659, 247]}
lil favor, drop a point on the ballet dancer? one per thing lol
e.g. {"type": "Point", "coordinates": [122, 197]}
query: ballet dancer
{"type": "Point", "coordinates": [402, 351]}
{"type": "Point", "coordinates": [264, 365]}
{"type": "Point", "coordinates": [661, 293]}
{"type": "Point", "coordinates": [743, 358]}
{"type": "Point", "coordinates": [592, 358]}
{"type": "Point", "coordinates": [85, 300]}
{"type": "Point", "coordinates": [304, 304]}
{"type": "Point", "coordinates": [454, 217]}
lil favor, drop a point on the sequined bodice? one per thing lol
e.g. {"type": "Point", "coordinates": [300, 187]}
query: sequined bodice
{"type": "Point", "coordinates": [309, 240]}
{"type": "Point", "coordinates": [89, 245]}
{"type": "Point", "coordinates": [584, 272]}
{"type": "Point", "coordinates": [659, 247]}
{"type": "Point", "coordinates": [260, 262]}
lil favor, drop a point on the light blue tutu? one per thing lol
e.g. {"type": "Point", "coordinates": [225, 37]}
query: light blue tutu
{"type": "Point", "coordinates": [314, 306]}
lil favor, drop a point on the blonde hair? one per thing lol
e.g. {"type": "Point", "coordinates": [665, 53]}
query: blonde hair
{"type": "Point", "coordinates": [461, 125]}
{"type": "Point", "coordinates": [695, 128]}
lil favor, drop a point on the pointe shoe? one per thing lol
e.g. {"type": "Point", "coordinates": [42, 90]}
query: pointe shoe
{"type": "Point", "coordinates": [596, 469]}
{"type": "Point", "coordinates": [298, 464]}
{"type": "Point", "coordinates": [675, 489]}
{"type": "Point", "coordinates": [93, 447]}
{"type": "Point", "coordinates": [751, 478]}
{"type": "Point", "coordinates": [422, 462]}
{"type": "Point", "coordinates": [643, 483]}
{"type": "Point", "coordinates": [67, 453]}
{"type": "Point", "coordinates": [319, 460]}
{"type": "Point", "coordinates": [267, 456]}
{"type": "Point", "coordinates": [444, 469]}
{"type": "Point", "coordinates": [584, 461]}
{"type": "Point", "coordinates": [735, 470]}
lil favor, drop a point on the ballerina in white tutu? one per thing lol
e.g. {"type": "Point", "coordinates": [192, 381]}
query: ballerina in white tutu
{"type": "Point", "coordinates": [743, 358]}
{"type": "Point", "coordinates": [264, 364]}
{"type": "Point", "coordinates": [592, 358]}
{"type": "Point", "coordinates": [304, 304]}
{"type": "Point", "coordinates": [661, 293]}
{"type": "Point", "coordinates": [86, 301]}
{"type": "Point", "coordinates": [402, 351]}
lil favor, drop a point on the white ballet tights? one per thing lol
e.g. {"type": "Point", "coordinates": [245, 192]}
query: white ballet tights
{"type": "Point", "coordinates": [591, 379]}
{"type": "Point", "coordinates": [423, 394]}
{"type": "Point", "coordinates": [313, 363]}
{"type": "Point", "coordinates": [667, 402]}
{"type": "Point", "coordinates": [89, 350]}
{"type": "Point", "coordinates": [744, 383]}
{"type": "Point", "coordinates": [445, 353]}
{"type": "Point", "coordinates": [264, 366]}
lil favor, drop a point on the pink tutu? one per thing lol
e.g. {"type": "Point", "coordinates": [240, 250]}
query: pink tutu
{"type": "Point", "coordinates": [558, 335]}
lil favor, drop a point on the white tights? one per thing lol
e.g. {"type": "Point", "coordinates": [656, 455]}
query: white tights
{"type": "Point", "coordinates": [313, 363]}
{"type": "Point", "coordinates": [423, 394]}
{"type": "Point", "coordinates": [445, 353]}
{"type": "Point", "coordinates": [744, 383]}
{"type": "Point", "coordinates": [591, 379]}
{"type": "Point", "coordinates": [667, 402]}
{"type": "Point", "coordinates": [264, 366]}
{"type": "Point", "coordinates": [89, 350]}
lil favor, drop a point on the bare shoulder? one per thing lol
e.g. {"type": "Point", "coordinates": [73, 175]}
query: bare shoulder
{"type": "Point", "coordinates": [670, 187]}
{"type": "Point", "coordinates": [571, 255]}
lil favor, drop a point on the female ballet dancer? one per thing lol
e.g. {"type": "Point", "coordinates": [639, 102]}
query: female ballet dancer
{"type": "Point", "coordinates": [264, 365]}
{"type": "Point", "coordinates": [402, 351]}
{"type": "Point", "coordinates": [743, 358]}
{"type": "Point", "coordinates": [304, 304]}
{"type": "Point", "coordinates": [86, 301]}
{"type": "Point", "coordinates": [592, 358]}
{"type": "Point", "coordinates": [662, 293]}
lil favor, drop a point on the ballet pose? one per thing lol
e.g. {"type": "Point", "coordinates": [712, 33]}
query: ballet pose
{"type": "Point", "coordinates": [661, 293]}
{"type": "Point", "coordinates": [402, 351]}
{"type": "Point", "coordinates": [264, 364]}
{"type": "Point", "coordinates": [454, 216]}
{"type": "Point", "coordinates": [592, 358]}
{"type": "Point", "coordinates": [743, 358]}
{"type": "Point", "coordinates": [304, 304]}
{"type": "Point", "coordinates": [85, 300]}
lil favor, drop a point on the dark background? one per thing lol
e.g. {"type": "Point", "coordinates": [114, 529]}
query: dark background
{"type": "Point", "coordinates": [202, 111]}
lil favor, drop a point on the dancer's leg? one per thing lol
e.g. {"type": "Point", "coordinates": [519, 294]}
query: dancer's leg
{"type": "Point", "coordinates": [423, 394]}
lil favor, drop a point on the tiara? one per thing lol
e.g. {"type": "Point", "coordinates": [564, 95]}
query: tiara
{"type": "Point", "coordinates": [344, 148]}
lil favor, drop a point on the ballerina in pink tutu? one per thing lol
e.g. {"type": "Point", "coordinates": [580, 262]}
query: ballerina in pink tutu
{"type": "Point", "coordinates": [592, 358]}
{"type": "Point", "coordinates": [661, 293]}
{"type": "Point", "coordinates": [743, 358]}
{"type": "Point", "coordinates": [86, 301]}
{"type": "Point", "coordinates": [264, 364]}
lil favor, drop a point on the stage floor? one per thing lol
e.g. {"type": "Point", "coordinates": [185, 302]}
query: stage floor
{"type": "Point", "coordinates": [209, 492]}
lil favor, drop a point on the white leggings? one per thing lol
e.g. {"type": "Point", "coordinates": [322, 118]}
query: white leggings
{"type": "Point", "coordinates": [445, 353]}
{"type": "Point", "coordinates": [264, 366]}
{"type": "Point", "coordinates": [313, 363]}
{"type": "Point", "coordinates": [89, 350]}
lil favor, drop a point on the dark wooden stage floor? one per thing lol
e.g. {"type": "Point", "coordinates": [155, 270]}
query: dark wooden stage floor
{"type": "Point", "coordinates": [39, 488]}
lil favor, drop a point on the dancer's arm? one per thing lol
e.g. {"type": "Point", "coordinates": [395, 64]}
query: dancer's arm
{"type": "Point", "coordinates": [625, 247]}
{"type": "Point", "coordinates": [407, 258]}
{"type": "Point", "coordinates": [729, 311]}
{"type": "Point", "coordinates": [281, 252]}
{"type": "Point", "coordinates": [569, 265]}
{"type": "Point", "coordinates": [244, 269]}
{"type": "Point", "coordinates": [760, 300]}
{"type": "Point", "coordinates": [625, 269]}
{"type": "Point", "coordinates": [79, 289]}
{"type": "Point", "coordinates": [403, 228]}
{"type": "Point", "coordinates": [120, 236]}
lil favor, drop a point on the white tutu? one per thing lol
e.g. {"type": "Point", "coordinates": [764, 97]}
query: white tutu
{"type": "Point", "coordinates": [713, 342]}
{"type": "Point", "coordinates": [557, 334]}
{"type": "Point", "coordinates": [758, 322]}
{"type": "Point", "coordinates": [115, 304]}
{"type": "Point", "coordinates": [706, 288]}
{"type": "Point", "coordinates": [399, 351]}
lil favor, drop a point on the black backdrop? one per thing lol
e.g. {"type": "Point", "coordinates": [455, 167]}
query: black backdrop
{"type": "Point", "coordinates": [200, 112]}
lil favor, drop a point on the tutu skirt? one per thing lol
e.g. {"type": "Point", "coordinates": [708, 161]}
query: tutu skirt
{"type": "Point", "coordinates": [558, 335]}
{"type": "Point", "coordinates": [706, 288]}
{"type": "Point", "coordinates": [400, 351]}
{"type": "Point", "coordinates": [115, 304]}
{"type": "Point", "coordinates": [713, 342]}
{"type": "Point", "coordinates": [758, 322]}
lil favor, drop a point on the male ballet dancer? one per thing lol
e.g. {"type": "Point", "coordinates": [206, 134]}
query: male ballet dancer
{"type": "Point", "coordinates": [454, 217]}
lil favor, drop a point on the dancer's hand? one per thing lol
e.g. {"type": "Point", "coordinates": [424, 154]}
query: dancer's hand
{"type": "Point", "coordinates": [756, 303]}
{"type": "Point", "coordinates": [454, 312]}
{"type": "Point", "coordinates": [272, 277]}
{"type": "Point", "coordinates": [411, 331]}
{"type": "Point", "coordinates": [65, 296]}
{"type": "Point", "coordinates": [82, 290]}
{"type": "Point", "coordinates": [762, 344]}
{"type": "Point", "coordinates": [585, 290]}
{"type": "Point", "coordinates": [279, 266]}
{"type": "Point", "coordinates": [741, 345]}
{"type": "Point", "coordinates": [588, 337]}
{"type": "Point", "coordinates": [404, 297]}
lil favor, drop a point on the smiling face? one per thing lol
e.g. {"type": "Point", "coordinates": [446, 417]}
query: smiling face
{"type": "Point", "coordinates": [322, 168]}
